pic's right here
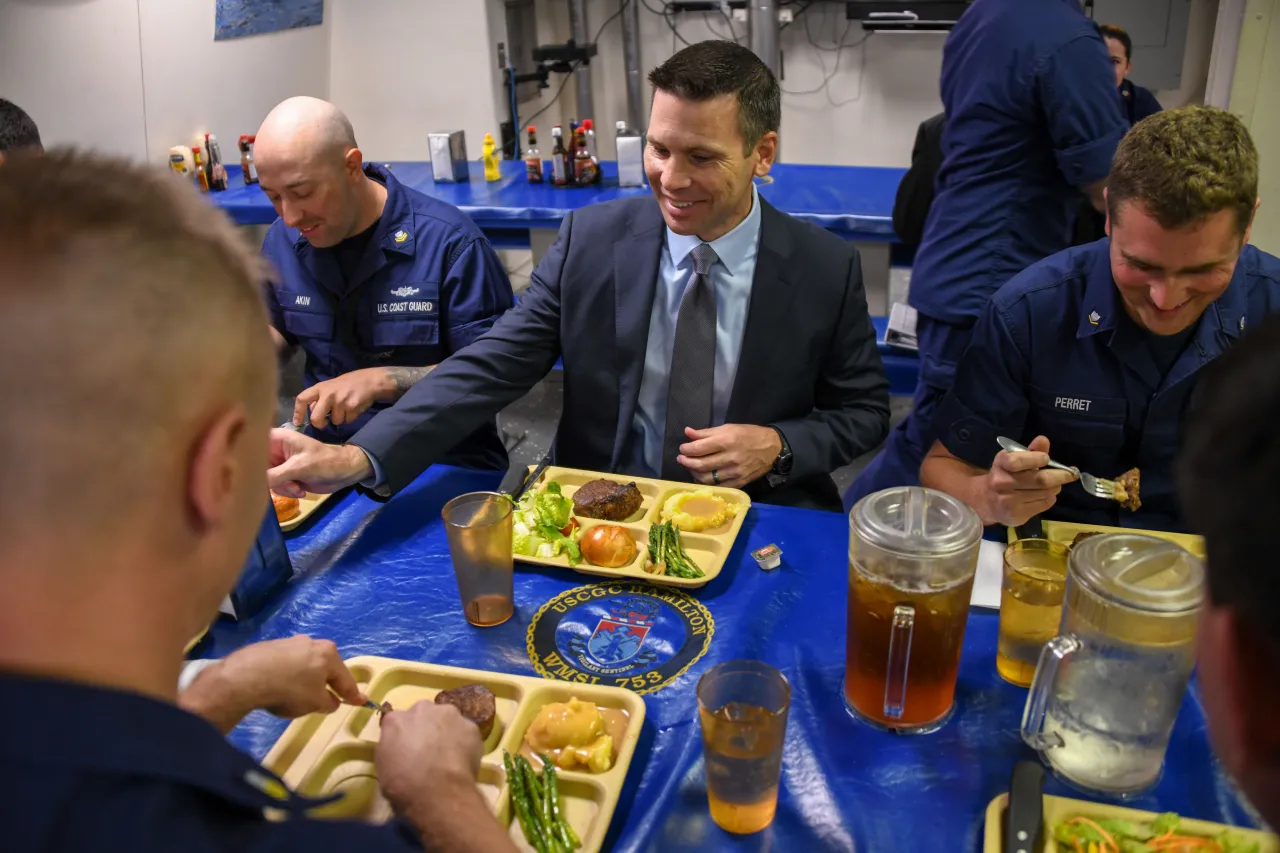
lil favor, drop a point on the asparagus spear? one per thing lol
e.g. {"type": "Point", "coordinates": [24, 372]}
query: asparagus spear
{"type": "Point", "coordinates": [566, 833]}
{"type": "Point", "coordinates": [520, 804]}
{"type": "Point", "coordinates": [538, 808]}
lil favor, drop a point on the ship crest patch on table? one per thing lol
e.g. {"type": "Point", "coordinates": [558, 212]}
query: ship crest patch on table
{"type": "Point", "coordinates": [620, 635]}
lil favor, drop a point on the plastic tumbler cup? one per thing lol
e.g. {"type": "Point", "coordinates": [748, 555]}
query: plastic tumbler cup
{"type": "Point", "coordinates": [743, 706]}
{"type": "Point", "coordinates": [479, 529]}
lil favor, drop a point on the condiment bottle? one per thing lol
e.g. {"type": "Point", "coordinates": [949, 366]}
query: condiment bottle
{"type": "Point", "coordinates": [532, 159]}
{"type": "Point", "coordinates": [584, 170]}
{"type": "Point", "coordinates": [247, 166]}
{"type": "Point", "coordinates": [178, 160]}
{"type": "Point", "coordinates": [559, 158]}
{"type": "Point", "coordinates": [217, 171]}
{"type": "Point", "coordinates": [589, 128]}
{"type": "Point", "coordinates": [202, 179]}
{"type": "Point", "coordinates": [489, 153]}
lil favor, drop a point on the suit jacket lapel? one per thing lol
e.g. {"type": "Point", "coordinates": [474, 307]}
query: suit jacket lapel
{"type": "Point", "coordinates": [772, 293]}
{"type": "Point", "coordinates": [635, 275]}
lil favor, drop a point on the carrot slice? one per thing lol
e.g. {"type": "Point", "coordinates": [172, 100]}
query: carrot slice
{"type": "Point", "coordinates": [1106, 836]}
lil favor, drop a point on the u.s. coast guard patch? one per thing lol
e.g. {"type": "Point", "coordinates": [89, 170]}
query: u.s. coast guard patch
{"type": "Point", "coordinates": [619, 634]}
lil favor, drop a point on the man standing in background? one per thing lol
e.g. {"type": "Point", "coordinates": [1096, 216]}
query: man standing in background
{"type": "Point", "coordinates": [1032, 120]}
{"type": "Point", "coordinates": [17, 130]}
{"type": "Point", "coordinates": [1138, 102]}
{"type": "Point", "coordinates": [377, 282]}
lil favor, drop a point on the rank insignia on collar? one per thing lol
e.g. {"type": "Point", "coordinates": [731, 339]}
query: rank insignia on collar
{"type": "Point", "coordinates": [401, 236]}
{"type": "Point", "coordinates": [1095, 318]}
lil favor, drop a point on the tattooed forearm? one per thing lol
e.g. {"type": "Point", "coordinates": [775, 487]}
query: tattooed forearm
{"type": "Point", "coordinates": [404, 378]}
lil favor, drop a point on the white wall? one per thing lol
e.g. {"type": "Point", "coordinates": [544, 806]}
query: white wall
{"type": "Point", "coordinates": [133, 77]}
{"type": "Point", "coordinates": [75, 67]}
{"type": "Point", "coordinates": [884, 87]}
{"type": "Point", "coordinates": [193, 84]}
{"type": "Point", "coordinates": [400, 69]}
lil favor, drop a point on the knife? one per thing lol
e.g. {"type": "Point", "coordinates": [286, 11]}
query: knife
{"type": "Point", "coordinates": [515, 485]}
{"type": "Point", "coordinates": [1024, 815]}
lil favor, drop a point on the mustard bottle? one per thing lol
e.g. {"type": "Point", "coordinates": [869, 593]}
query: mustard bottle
{"type": "Point", "coordinates": [490, 156]}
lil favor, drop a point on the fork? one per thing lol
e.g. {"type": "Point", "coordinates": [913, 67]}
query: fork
{"type": "Point", "coordinates": [1096, 486]}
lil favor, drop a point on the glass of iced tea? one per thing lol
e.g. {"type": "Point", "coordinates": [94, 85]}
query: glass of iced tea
{"type": "Point", "coordinates": [743, 706]}
{"type": "Point", "coordinates": [1035, 577]}
{"type": "Point", "coordinates": [479, 529]}
{"type": "Point", "coordinates": [912, 556]}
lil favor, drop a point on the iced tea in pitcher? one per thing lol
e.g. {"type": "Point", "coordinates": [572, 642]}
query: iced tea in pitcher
{"type": "Point", "coordinates": [912, 557]}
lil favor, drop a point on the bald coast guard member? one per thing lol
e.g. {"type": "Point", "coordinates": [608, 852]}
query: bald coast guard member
{"type": "Point", "coordinates": [376, 282]}
{"type": "Point", "coordinates": [1093, 354]}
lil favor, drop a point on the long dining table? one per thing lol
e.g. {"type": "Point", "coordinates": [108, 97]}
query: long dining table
{"type": "Point", "coordinates": [376, 578]}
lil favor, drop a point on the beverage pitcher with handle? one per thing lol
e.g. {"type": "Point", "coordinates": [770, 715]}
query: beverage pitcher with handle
{"type": "Point", "coordinates": [912, 557]}
{"type": "Point", "coordinates": [1108, 688]}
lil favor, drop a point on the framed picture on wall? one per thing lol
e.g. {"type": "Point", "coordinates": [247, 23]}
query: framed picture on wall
{"type": "Point", "coordinates": [240, 18]}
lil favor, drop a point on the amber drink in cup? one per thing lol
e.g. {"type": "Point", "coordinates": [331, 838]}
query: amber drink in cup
{"type": "Point", "coordinates": [479, 530]}
{"type": "Point", "coordinates": [743, 707]}
{"type": "Point", "coordinates": [1035, 577]}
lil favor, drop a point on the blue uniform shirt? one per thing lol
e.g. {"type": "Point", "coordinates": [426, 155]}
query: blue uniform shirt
{"type": "Point", "coordinates": [731, 277]}
{"type": "Point", "coordinates": [428, 285]}
{"type": "Point", "coordinates": [115, 772]}
{"type": "Point", "coordinates": [1032, 115]}
{"type": "Point", "coordinates": [1055, 354]}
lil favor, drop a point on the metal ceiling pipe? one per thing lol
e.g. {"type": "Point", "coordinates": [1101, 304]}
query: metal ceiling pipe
{"type": "Point", "coordinates": [762, 19]}
{"type": "Point", "coordinates": [582, 76]}
{"type": "Point", "coordinates": [637, 115]}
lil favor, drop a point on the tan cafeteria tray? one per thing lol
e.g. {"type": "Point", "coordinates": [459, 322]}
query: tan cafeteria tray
{"type": "Point", "coordinates": [307, 507]}
{"type": "Point", "coordinates": [1059, 809]}
{"type": "Point", "coordinates": [319, 755]}
{"type": "Point", "coordinates": [709, 549]}
{"type": "Point", "coordinates": [1066, 532]}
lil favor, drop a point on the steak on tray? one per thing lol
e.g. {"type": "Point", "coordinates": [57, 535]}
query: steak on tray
{"type": "Point", "coordinates": [607, 500]}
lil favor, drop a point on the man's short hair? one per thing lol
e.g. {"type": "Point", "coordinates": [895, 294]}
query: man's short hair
{"type": "Point", "coordinates": [1229, 475]}
{"type": "Point", "coordinates": [713, 68]}
{"type": "Point", "coordinates": [1185, 164]}
{"type": "Point", "coordinates": [17, 130]}
{"type": "Point", "coordinates": [1111, 31]}
{"type": "Point", "coordinates": [130, 310]}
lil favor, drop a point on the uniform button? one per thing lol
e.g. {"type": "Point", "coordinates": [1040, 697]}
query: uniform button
{"type": "Point", "coordinates": [965, 435]}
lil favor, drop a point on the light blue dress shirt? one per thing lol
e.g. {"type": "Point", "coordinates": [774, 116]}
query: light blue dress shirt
{"type": "Point", "coordinates": [731, 276]}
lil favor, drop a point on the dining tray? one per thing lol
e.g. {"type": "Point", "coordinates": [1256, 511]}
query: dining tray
{"type": "Point", "coordinates": [1066, 532]}
{"type": "Point", "coordinates": [325, 754]}
{"type": "Point", "coordinates": [708, 549]}
{"type": "Point", "coordinates": [1059, 809]}
{"type": "Point", "coordinates": [307, 507]}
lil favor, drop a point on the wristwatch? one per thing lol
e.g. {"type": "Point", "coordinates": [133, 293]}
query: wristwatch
{"type": "Point", "coordinates": [782, 465]}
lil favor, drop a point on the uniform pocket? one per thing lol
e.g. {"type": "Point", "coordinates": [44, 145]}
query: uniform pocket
{"type": "Point", "coordinates": [306, 324]}
{"type": "Point", "coordinates": [1082, 431]}
{"type": "Point", "coordinates": [405, 332]}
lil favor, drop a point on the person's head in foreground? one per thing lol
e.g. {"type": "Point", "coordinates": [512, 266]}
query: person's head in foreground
{"type": "Point", "coordinates": [713, 129]}
{"type": "Point", "coordinates": [17, 130]}
{"type": "Point", "coordinates": [1180, 203]}
{"type": "Point", "coordinates": [1229, 483]}
{"type": "Point", "coordinates": [1120, 48]}
{"type": "Point", "coordinates": [123, 293]}
{"type": "Point", "coordinates": [311, 169]}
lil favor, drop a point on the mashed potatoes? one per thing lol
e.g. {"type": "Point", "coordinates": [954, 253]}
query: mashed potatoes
{"type": "Point", "coordinates": [698, 510]}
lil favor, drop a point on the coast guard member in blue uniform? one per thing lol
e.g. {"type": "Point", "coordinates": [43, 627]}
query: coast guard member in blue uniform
{"type": "Point", "coordinates": [1032, 119]}
{"type": "Point", "coordinates": [98, 749]}
{"type": "Point", "coordinates": [376, 282]}
{"type": "Point", "coordinates": [1096, 351]}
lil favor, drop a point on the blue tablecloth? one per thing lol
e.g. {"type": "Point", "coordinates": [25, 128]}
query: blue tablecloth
{"type": "Point", "coordinates": [855, 202]}
{"type": "Point", "coordinates": [377, 580]}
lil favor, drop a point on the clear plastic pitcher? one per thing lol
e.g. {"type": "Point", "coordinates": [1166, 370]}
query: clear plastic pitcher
{"type": "Point", "coordinates": [912, 556]}
{"type": "Point", "coordinates": [1108, 688]}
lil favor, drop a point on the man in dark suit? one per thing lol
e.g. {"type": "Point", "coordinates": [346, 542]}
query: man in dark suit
{"type": "Point", "coordinates": [706, 336]}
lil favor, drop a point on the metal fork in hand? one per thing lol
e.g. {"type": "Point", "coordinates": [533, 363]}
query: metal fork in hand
{"type": "Point", "coordinates": [1099, 488]}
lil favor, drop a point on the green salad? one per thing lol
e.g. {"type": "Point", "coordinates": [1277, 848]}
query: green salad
{"type": "Point", "coordinates": [544, 526]}
{"type": "Point", "coordinates": [1162, 835]}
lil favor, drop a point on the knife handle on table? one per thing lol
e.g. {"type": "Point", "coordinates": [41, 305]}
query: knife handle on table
{"type": "Point", "coordinates": [1024, 816]}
